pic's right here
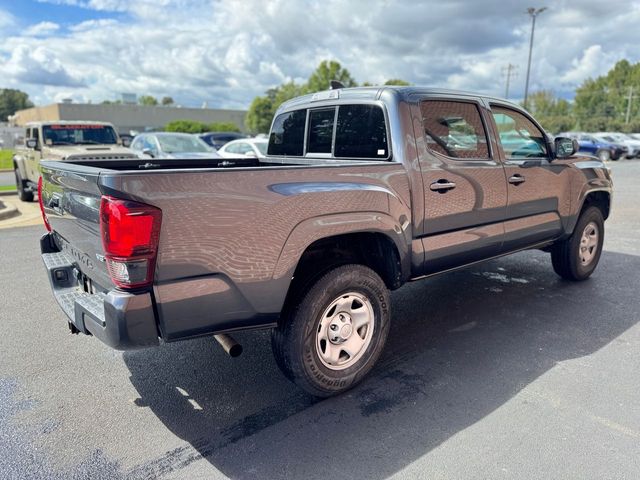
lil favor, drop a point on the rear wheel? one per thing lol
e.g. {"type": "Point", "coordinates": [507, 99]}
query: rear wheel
{"type": "Point", "coordinates": [23, 193]}
{"type": "Point", "coordinates": [577, 257]}
{"type": "Point", "coordinates": [331, 339]}
{"type": "Point", "coordinates": [604, 155]}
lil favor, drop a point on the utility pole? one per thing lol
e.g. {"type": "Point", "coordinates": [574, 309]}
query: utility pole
{"type": "Point", "coordinates": [533, 13]}
{"type": "Point", "coordinates": [629, 100]}
{"type": "Point", "coordinates": [509, 71]}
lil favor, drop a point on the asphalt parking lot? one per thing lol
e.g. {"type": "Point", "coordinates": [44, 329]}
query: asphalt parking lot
{"type": "Point", "coordinates": [498, 371]}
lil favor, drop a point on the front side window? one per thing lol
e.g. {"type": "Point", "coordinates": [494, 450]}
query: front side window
{"type": "Point", "coordinates": [454, 129]}
{"type": "Point", "coordinates": [519, 136]}
{"type": "Point", "coordinates": [361, 132]}
{"type": "Point", "coordinates": [287, 134]}
{"type": "Point", "coordinates": [321, 130]}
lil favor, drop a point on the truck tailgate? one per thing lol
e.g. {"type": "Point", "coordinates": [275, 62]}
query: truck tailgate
{"type": "Point", "coordinates": [71, 199]}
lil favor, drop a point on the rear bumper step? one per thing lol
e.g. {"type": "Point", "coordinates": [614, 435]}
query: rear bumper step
{"type": "Point", "coordinates": [122, 320]}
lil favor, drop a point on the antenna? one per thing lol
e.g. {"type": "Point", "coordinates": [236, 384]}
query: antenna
{"type": "Point", "coordinates": [335, 85]}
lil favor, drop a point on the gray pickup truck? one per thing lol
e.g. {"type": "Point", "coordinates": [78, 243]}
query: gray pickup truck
{"type": "Point", "coordinates": [362, 190]}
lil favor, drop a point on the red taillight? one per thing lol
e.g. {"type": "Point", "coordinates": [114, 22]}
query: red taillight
{"type": "Point", "coordinates": [44, 215]}
{"type": "Point", "coordinates": [130, 232]}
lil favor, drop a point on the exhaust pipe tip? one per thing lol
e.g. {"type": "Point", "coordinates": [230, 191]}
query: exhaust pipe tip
{"type": "Point", "coordinates": [229, 345]}
{"type": "Point", "coordinates": [235, 350]}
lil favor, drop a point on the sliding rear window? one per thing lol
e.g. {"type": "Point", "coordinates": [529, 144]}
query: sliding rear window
{"type": "Point", "coordinates": [355, 132]}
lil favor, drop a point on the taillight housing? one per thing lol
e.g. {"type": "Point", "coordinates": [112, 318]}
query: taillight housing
{"type": "Point", "coordinates": [130, 234]}
{"type": "Point", "coordinates": [45, 219]}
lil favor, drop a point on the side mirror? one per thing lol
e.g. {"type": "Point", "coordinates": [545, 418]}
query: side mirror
{"type": "Point", "coordinates": [147, 151]}
{"type": "Point", "coordinates": [565, 147]}
{"type": "Point", "coordinates": [31, 143]}
{"type": "Point", "coordinates": [126, 141]}
{"type": "Point", "coordinates": [250, 154]}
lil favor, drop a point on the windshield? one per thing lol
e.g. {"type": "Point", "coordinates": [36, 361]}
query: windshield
{"type": "Point", "coordinates": [182, 144]}
{"type": "Point", "coordinates": [79, 135]}
{"type": "Point", "coordinates": [262, 147]}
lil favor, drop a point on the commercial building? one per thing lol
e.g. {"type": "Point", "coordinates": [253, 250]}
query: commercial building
{"type": "Point", "coordinates": [127, 118]}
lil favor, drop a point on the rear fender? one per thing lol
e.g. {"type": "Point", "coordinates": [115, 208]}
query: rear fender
{"type": "Point", "coordinates": [319, 228]}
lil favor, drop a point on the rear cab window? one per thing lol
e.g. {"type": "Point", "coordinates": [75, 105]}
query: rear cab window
{"type": "Point", "coordinates": [349, 131]}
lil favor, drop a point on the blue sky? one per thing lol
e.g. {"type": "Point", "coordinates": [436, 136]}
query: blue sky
{"type": "Point", "coordinates": [29, 12]}
{"type": "Point", "coordinates": [225, 52]}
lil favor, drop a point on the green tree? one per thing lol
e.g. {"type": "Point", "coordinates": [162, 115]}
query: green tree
{"type": "Point", "coordinates": [554, 114]}
{"type": "Point", "coordinates": [329, 70]}
{"type": "Point", "coordinates": [262, 109]}
{"type": "Point", "coordinates": [397, 82]}
{"type": "Point", "coordinates": [11, 101]}
{"type": "Point", "coordinates": [166, 101]}
{"type": "Point", "coordinates": [601, 103]}
{"type": "Point", "coordinates": [222, 127]}
{"type": "Point", "coordinates": [186, 126]}
{"type": "Point", "coordinates": [260, 114]}
{"type": "Point", "coordinates": [147, 100]}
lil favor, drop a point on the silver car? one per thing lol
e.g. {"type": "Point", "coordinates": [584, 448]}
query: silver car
{"type": "Point", "coordinates": [248, 147]}
{"type": "Point", "coordinates": [172, 145]}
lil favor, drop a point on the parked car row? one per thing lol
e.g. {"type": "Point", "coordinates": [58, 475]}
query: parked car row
{"type": "Point", "coordinates": [607, 145]}
{"type": "Point", "coordinates": [208, 145]}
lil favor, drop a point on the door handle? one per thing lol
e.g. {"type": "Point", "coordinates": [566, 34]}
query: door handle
{"type": "Point", "coordinates": [516, 179]}
{"type": "Point", "coordinates": [442, 186]}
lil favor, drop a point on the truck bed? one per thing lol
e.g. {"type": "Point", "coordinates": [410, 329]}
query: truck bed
{"type": "Point", "coordinates": [231, 234]}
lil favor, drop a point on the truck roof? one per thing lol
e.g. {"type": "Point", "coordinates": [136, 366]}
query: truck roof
{"type": "Point", "coordinates": [374, 93]}
{"type": "Point", "coordinates": [67, 122]}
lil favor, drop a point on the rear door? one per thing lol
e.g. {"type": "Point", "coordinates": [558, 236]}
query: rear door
{"type": "Point", "coordinates": [464, 183]}
{"type": "Point", "coordinates": [538, 189]}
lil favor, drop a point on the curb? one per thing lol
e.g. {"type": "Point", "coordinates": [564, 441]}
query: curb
{"type": "Point", "coordinates": [8, 192]}
{"type": "Point", "coordinates": [6, 170]}
{"type": "Point", "coordinates": [8, 211]}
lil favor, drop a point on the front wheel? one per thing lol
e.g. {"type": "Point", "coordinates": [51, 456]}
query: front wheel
{"type": "Point", "coordinates": [604, 155]}
{"type": "Point", "coordinates": [23, 194]}
{"type": "Point", "coordinates": [577, 257]}
{"type": "Point", "coordinates": [329, 340]}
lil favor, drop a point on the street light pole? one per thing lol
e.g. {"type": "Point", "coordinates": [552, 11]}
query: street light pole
{"type": "Point", "coordinates": [533, 13]}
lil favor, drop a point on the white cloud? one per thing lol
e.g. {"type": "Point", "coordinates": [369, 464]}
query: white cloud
{"type": "Point", "coordinates": [42, 29]}
{"type": "Point", "coordinates": [226, 52]}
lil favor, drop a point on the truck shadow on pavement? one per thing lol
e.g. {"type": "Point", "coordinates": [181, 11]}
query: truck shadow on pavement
{"type": "Point", "coordinates": [461, 346]}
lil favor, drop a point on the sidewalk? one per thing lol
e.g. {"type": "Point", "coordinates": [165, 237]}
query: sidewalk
{"type": "Point", "coordinates": [28, 213]}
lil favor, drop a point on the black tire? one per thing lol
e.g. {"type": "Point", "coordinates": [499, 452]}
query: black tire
{"type": "Point", "coordinates": [565, 255]}
{"type": "Point", "coordinates": [605, 155]}
{"type": "Point", "coordinates": [23, 194]}
{"type": "Point", "coordinates": [295, 341]}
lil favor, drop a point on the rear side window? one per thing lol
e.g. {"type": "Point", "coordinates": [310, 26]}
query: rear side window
{"type": "Point", "coordinates": [454, 129]}
{"type": "Point", "coordinates": [287, 134]}
{"type": "Point", "coordinates": [361, 132]}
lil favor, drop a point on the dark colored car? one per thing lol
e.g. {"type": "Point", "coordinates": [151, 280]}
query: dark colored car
{"type": "Point", "coordinates": [218, 139]}
{"type": "Point", "coordinates": [599, 147]}
{"type": "Point", "coordinates": [361, 191]}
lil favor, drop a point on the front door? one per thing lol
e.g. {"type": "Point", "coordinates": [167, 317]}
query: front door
{"type": "Point", "coordinates": [538, 188]}
{"type": "Point", "coordinates": [465, 192]}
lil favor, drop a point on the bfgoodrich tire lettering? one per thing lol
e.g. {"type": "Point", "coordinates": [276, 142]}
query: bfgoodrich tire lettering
{"type": "Point", "coordinates": [295, 344]}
